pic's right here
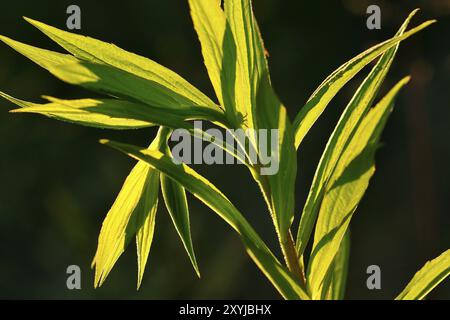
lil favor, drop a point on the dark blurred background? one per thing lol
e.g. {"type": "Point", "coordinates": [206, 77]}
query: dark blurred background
{"type": "Point", "coordinates": [57, 182]}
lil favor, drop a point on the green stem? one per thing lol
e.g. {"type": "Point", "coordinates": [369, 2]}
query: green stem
{"type": "Point", "coordinates": [292, 259]}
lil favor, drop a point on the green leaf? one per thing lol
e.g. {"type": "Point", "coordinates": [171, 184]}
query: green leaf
{"type": "Point", "coordinates": [340, 270]}
{"type": "Point", "coordinates": [281, 185]}
{"type": "Point", "coordinates": [162, 80]}
{"type": "Point", "coordinates": [241, 60]}
{"type": "Point", "coordinates": [427, 278]}
{"type": "Point", "coordinates": [261, 108]}
{"type": "Point", "coordinates": [246, 58]}
{"type": "Point", "coordinates": [146, 222]}
{"type": "Point", "coordinates": [128, 214]}
{"type": "Point", "coordinates": [176, 203]}
{"type": "Point", "coordinates": [331, 85]}
{"type": "Point", "coordinates": [100, 113]}
{"type": "Point", "coordinates": [133, 213]}
{"type": "Point", "coordinates": [201, 188]}
{"type": "Point", "coordinates": [344, 190]}
{"type": "Point", "coordinates": [344, 130]}
{"type": "Point", "coordinates": [219, 51]}
{"type": "Point", "coordinates": [118, 83]}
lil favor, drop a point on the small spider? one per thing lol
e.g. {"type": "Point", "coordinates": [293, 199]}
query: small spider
{"type": "Point", "coordinates": [242, 119]}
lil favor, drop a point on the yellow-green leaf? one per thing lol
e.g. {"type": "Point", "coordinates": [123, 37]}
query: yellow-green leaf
{"type": "Point", "coordinates": [219, 51]}
{"type": "Point", "coordinates": [339, 272]}
{"type": "Point", "coordinates": [204, 190]}
{"type": "Point", "coordinates": [100, 113]}
{"type": "Point", "coordinates": [344, 191]}
{"type": "Point", "coordinates": [176, 203]}
{"type": "Point", "coordinates": [427, 278]}
{"type": "Point", "coordinates": [127, 215]}
{"type": "Point", "coordinates": [344, 130]}
{"type": "Point", "coordinates": [161, 79]}
{"type": "Point", "coordinates": [331, 85]}
{"type": "Point", "coordinates": [106, 79]}
{"type": "Point", "coordinates": [280, 188]}
{"type": "Point", "coordinates": [146, 222]}
{"type": "Point", "coordinates": [132, 214]}
{"type": "Point", "coordinates": [262, 110]}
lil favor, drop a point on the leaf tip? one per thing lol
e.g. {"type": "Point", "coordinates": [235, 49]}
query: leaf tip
{"type": "Point", "coordinates": [405, 80]}
{"type": "Point", "coordinates": [414, 12]}
{"type": "Point", "coordinates": [139, 282]}
{"type": "Point", "coordinates": [30, 21]}
{"type": "Point", "coordinates": [429, 22]}
{"type": "Point", "coordinates": [6, 40]}
{"type": "Point", "coordinates": [105, 141]}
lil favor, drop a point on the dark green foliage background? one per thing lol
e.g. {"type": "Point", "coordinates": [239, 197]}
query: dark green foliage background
{"type": "Point", "coordinates": [57, 182]}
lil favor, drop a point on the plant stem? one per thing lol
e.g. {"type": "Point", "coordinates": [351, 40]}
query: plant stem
{"type": "Point", "coordinates": [292, 259]}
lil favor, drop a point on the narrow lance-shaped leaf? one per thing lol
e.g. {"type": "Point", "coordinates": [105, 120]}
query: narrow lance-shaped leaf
{"type": "Point", "coordinates": [427, 278]}
{"type": "Point", "coordinates": [331, 86]}
{"type": "Point", "coordinates": [146, 222]}
{"type": "Point", "coordinates": [240, 24]}
{"type": "Point", "coordinates": [201, 188]}
{"type": "Point", "coordinates": [177, 206]}
{"type": "Point", "coordinates": [219, 51]}
{"type": "Point", "coordinates": [107, 79]}
{"type": "Point", "coordinates": [100, 113]}
{"type": "Point", "coordinates": [344, 191]}
{"type": "Point", "coordinates": [281, 172]}
{"type": "Point", "coordinates": [133, 213]}
{"type": "Point", "coordinates": [350, 119]}
{"type": "Point", "coordinates": [161, 79]}
{"type": "Point", "coordinates": [257, 101]}
{"type": "Point", "coordinates": [339, 272]}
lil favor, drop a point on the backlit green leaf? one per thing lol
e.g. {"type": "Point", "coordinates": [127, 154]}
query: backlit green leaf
{"type": "Point", "coordinates": [281, 184]}
{"type": "Point", "coordinates": [118, 83]}
{"type": "Point", "coordinates": [146, 222]}
{"type": "Point", "coordinates": [331, 85]}
{"type": "Point", "coordinates": [219, 51]}
{"type": "Point", "coordinates": [427, 278]}
{"type": "Point", "coordinates": [177, 206]}
{"type": "Point", "coordinates": [162, 80]}
{"type": "Point", "coordinates": [344, 191]}
{"type": "Point", "coordinates": [132, 214]}
{"type": "Point", "coordinates": [100, 113]}
{"type": "Point", "coordinates": [213, 198]}
{"type": "Point", "coordinates": [344, 130]}
{"type": "Point", "coordinates": [242, 59]}
{"type": "Point", "coordinates": [339, 271]}
{"type": "Point", "coordinates": [261, 108]}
